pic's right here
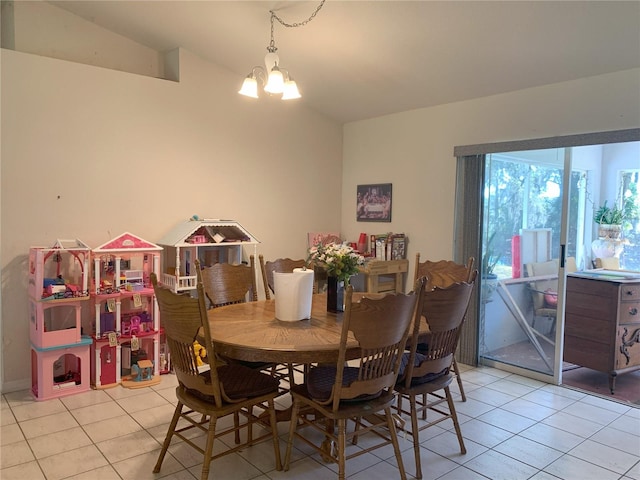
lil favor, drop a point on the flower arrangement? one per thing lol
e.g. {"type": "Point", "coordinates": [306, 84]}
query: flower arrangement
{"type": "Point", "coordinates": [340, 260]}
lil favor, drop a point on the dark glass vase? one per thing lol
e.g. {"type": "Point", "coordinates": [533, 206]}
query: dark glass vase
{"type": "Point", "coordinates": [335, 295]}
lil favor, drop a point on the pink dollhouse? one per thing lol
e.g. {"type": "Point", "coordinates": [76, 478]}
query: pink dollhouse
{"type": "Point", "coordinates": [125, 310]}
{"type": "Point", "coordinates": [58, 288]}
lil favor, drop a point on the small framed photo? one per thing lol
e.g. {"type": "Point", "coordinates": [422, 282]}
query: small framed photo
{"type": "Point", "coordinates": [374, 203]}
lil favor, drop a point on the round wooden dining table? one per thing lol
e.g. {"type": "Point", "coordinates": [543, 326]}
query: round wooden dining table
{"type": "Point", "coordinates": [251, 332]}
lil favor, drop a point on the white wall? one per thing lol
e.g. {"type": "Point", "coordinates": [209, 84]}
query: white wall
{"type": "Point", "coordinates": [132, 153]}
{"type": "Point", "coordinates": [91, 153]}
{"type": "Point", "coordinates": [414, 150]}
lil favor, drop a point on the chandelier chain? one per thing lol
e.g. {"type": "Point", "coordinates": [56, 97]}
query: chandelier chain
{"type": "Point", "coordinates": [274, 15]}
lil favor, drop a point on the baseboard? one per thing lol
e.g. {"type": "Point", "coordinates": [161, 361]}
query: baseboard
{"type": "Point", "coordinates": [16, 385]}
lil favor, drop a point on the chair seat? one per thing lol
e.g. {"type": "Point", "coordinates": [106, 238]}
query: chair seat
{"type": "Point", "coordinates": [321, 380]}
{"type": "Point", "coordinates": [438, 382]}
{"type": "Point", "coordinates": [419, 359]}
{"type": "Point", "coordinates": [240, 382]}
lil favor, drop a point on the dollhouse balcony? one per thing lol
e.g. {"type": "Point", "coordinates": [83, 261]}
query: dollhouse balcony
{"type": "Point", "coordinates": [179, 283]}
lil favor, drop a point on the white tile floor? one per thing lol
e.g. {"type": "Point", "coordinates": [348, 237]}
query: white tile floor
{"type": "Point", "coordinates": [514, 428]}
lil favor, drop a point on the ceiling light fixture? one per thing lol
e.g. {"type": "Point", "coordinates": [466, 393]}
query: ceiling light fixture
{"type": "Point", "coordinates": [276, 80]}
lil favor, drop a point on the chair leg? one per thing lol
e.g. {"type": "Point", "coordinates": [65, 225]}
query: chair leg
{"type": "Point", "coordinates": [274, 432]}
{"type": "Point", "coordinates": [236, 426]}
{"type": "Point", "coordinates": [454, 417]}
{"type": "Point", "coordinates": [292, 431]}
{"type": "Point", "coordinates": [459, 380]}
{"type": "Point", "coordinates": [167, 439]}
{"type": "Point", "coordinates": [211, 435]}
{"type": "Point", "coordinates": [394, 441]}
{"type": "Point", "coordinates": [415, 435]}
{"type": "Point", "coordinates": [342, 433]}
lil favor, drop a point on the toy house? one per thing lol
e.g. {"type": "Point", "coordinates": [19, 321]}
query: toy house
{"type": "Point", "coordinates": [209, 241]}
{"type": "Point", "coordinates": [125, 308]}
{"type": "Point", "coordinates": [58, 288]}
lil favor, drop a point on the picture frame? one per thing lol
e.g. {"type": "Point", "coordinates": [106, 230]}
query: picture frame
{"type": "Point", "coordinates": [373, 202]}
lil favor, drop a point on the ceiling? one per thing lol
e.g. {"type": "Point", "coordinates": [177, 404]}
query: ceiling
{"type": "Point", "coordinates": [363, 59]}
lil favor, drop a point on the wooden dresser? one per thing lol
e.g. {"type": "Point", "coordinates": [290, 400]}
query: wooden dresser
{"type": "Point", "coordinates": [602, 321]}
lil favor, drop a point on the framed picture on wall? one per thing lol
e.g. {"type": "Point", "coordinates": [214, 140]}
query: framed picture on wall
{"type": "Point", "coordinates": [374, 203]}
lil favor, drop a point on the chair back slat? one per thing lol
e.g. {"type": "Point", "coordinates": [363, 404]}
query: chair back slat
{"type": "Point", "coordinates": [381, 327]}
{"type": "Point", "coordinates": [184, 320]}
{"type": "Point", "coordinates": [226, 284]}
{"type": "Point", "coordinates": [281, 265]}
{"type": "Point", "coordinates": [443, 273]}
{"type": "Point", "coordinates": [444, 310]}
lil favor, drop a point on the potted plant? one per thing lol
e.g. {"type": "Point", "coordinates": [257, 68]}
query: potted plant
{"type": "Point", "coordinates": [609, 220]}
{"type": "Point", "coordinates": [489, 261]}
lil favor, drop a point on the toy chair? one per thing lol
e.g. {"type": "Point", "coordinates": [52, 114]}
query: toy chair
{"type": "Point", "coordinates": [132, 326]}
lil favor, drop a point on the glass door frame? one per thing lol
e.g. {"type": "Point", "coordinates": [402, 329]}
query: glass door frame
{"type": "Point", "coordinates": [468, 226]}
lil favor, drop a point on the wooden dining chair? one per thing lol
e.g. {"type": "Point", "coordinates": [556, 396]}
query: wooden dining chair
{"type": "Point", "coordinates": [281, 265]}
{"type": "Point", "coordinates": [218, 392]}
{"type": "Point", "coordinates": [227, 284]}
{"type": "Point", "coordinates": [361, 390]}
{"type": "Point", "coordinates": [443, 273]}
{"type": "Point", "coordinates": [424, 374]}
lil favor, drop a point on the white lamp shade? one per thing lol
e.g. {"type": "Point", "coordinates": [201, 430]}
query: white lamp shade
{"type": "Point", "coordinates": [290, 90]}
{"type": "Point", "coordinates": [249, 87]}
{"type": "Point", "coordinates": [275, 84]}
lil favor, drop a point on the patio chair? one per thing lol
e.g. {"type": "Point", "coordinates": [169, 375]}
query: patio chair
{"type": "Point", "coordinates": [424, 375]}
{"type": "Point", "coordinates": [374, 335]}
{"type": "Point", "coordinates": [216, 393]}
{"type": "Point", "coordinates": [443, 273]}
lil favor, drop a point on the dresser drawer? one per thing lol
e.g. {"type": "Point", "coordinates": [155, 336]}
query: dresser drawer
{"type": "Point", "coordinates": [629, 312]}
{"type": "Point", "coordinates": [629, 293]}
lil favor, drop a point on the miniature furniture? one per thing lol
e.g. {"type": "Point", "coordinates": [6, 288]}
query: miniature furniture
{"type": "Point", "coordinates": [245, 390]}
{"type": "Point", "coordinates": [209, 241]}
{"type": "Point", "coordinates": [124, 306]}
{"type": "Point", "coordinates": [428, 372]}
{"type": "Point", "coordinates": [441, 274]}
{"type": "Point", "coordinates": [334, 394]}
{"type": "Point", "coordinates": [57, 289]}
{"type": "Point", "coordinates": [383, 276]}
{"type": "Point", "coordinates": [602, 321]}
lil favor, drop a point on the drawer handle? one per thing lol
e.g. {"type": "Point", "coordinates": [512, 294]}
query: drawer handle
{"type": "Point", "coordinates": [633, 311]}
{"type": "Point", "coordinates": [629, 292]}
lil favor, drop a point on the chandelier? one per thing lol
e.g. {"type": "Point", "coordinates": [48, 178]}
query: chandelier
{"type": "Point", "coordinates": [276, 80]}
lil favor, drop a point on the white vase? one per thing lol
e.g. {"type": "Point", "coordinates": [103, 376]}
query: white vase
{"type": "Point", "coordinates": [609, 243]}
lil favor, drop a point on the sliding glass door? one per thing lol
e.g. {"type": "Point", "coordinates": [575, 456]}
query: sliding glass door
{"type": "Point", "coordinates": [523, 250]}
{"type": "Point", "coordinates": [525, 210]}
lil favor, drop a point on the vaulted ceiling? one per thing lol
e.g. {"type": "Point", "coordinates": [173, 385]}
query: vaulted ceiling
{"type": "Point", "coordinates": [362, 59]}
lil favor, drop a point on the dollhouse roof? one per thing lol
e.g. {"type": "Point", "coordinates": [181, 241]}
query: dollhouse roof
{"type": "Point", "coordinates": [74, 244]}
{"type": "Point", "coordinates": [129, 242]}
{"type": "Point", "coordinates": [231, 230]}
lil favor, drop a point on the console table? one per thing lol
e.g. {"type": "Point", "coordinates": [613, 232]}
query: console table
{"type": "Point", "coordinates": [602, 321]}
{"type": "Point", "coordinates": [373, 270]}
